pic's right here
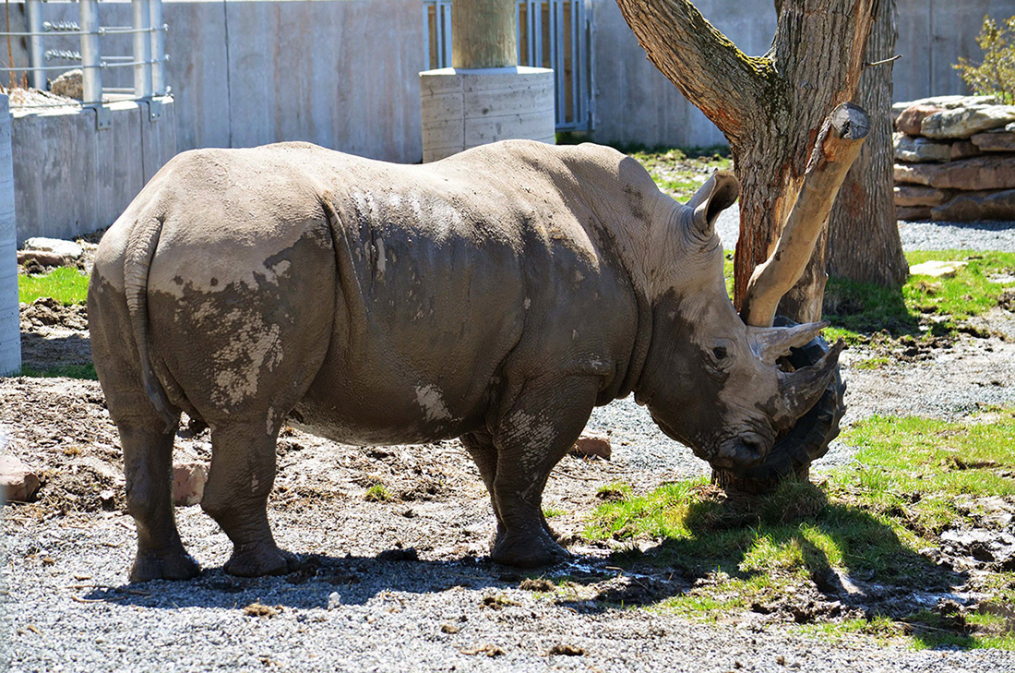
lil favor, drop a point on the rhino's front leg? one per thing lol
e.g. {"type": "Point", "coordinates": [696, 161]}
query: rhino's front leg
{"type": "Point", "coordinates": [533, 436]}
{"type": "Point", "coordinates": [236, 496]}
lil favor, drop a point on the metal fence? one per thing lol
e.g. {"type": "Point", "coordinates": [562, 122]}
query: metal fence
{"type": "Point", "coordinates": [147, 58]}
{"type": "Point", "coordinates": [553, 34]}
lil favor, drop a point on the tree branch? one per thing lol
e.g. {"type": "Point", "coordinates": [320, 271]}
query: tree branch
{"type": "Point", "coordinates": [837, 148]}
{"type": "Point", "coordinates": [705, 65]}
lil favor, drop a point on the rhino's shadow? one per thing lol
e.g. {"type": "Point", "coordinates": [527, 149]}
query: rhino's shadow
{"type": "Point", "coordinates": [874, 573]}
{"type": "Point", "coordinates": [357, 580]}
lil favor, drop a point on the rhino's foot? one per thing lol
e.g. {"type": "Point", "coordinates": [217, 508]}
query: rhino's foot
{"type": "Point", "coordinates": [528, 550]}
{"type": "Point", "coordinates": [172, 565]}
{"type": "Point", "coordinates": [261, 561]}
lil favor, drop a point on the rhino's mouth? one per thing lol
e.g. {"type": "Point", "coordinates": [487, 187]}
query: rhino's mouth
{"type": "Point", "coordinates": [741, 452]}
{"type": "Point", "coordinates": [737, 453]}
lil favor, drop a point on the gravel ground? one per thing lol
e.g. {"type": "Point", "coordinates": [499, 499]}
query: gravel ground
{"type": "Point", "coordinates": [67, 605]}
{"type": "Point", "coordinates": [915, 235]}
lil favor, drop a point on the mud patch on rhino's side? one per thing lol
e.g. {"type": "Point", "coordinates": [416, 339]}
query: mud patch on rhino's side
{"type": "Point", "coordinates": [254, 345]}
{"type": "Point", "coordinates": [432, 403]}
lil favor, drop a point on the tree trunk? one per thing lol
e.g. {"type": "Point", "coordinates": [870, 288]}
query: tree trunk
{"type": "Point", "coordinates": [483, 34]}
{"type": "Point", "coordinates": [770, 108]}
{"type": "Point", "coordinates": [865, 211]}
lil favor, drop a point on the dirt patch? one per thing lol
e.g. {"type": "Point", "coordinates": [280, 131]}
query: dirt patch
{"type": "Point", "coordinates": [53, 334]}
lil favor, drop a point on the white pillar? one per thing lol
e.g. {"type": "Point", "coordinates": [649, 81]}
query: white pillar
{"type": "Point", "coordinates": [10, 327]}
{"type": "Point", "coordinates": [468, 108]}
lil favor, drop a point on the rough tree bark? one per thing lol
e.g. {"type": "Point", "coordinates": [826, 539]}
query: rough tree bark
{"type": "Point", "coordinates": [483, 34]}
{"type": "Point", "coordinates": [770, 108]}
{"type": "Point", "coordinates": [865, 210]}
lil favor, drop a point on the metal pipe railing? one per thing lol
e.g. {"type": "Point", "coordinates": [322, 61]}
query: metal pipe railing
{"type": "Point", "coordinates": [147, 58]}
{"type": "Point", "coordinates": [158, 47]}
{"type": "Point", "coordinates": [141, 14]}
{"type": "Point", "coordinates": [91, 55]}
{"type": "Point", "coordinates": [33, 12]}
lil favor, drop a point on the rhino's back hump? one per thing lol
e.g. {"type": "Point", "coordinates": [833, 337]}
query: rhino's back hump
{"type": "Point", "coordinates": [459, 272]}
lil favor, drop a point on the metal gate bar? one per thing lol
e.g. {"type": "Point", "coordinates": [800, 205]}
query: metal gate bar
{"type": "Point", "coordinates": [551, 34]}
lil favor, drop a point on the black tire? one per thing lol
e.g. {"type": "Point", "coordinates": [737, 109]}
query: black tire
{"type": "Point", "coordinates": [805, 442]}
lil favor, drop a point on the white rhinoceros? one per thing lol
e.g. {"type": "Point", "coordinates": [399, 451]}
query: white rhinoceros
{"type": "Point", "coordinates": [496, 296]}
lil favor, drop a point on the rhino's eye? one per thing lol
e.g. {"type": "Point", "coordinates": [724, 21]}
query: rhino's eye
{"type": "Point", "coordinates": [719, 352]}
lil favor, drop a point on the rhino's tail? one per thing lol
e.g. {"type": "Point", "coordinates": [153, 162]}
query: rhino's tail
{"type": "Point", "coordinates": [144, 239]}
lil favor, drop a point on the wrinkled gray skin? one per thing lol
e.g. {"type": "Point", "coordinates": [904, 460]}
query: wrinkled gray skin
{"type": "Point", "coordinates": [496, 296]}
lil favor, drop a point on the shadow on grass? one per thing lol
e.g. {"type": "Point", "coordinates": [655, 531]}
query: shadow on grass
{"type": "Point", "coordinates": [866, 308]}
{"type": "Point", "coordinates": [740, 553]}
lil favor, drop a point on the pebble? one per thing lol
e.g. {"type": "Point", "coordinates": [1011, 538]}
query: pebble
{"type": "Point", "coordinates": [17, 482]}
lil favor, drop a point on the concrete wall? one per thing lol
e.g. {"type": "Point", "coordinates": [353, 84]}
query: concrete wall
{"type": "Point", "coordinates": [10, 329]}
{"type": "Point", "coordinates": [933, 34]}
{"type": "Point", "coordinates": [339, 73]}
{"type": "Point", "coordinates": [70, 178]}
{"type": "Point", "coordinates": [635, 103]}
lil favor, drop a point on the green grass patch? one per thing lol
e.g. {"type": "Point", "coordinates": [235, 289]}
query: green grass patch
{"type": "Point", "coordinates": [378, 493]}
{"type": "Point", "coordinates": [65, 284]}
{"type": "Point", "coordinates": [914, 478]}
{"type": "Point", "coordinates": [872, 363]}
{"type": "Point", "coordinates": [552, 512]}
{"type": "Point", "coordinates": [680, 172]}
{"type": "Point", "coordinates": [939, 305]}
{"type": "Point", "coordinates": [83, 371]}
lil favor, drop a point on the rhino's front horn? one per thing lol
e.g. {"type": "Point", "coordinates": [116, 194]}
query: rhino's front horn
{"type": "Point", "coordinates": [800, 390]}
{"type": "Point", "coordinates": [772, 343]}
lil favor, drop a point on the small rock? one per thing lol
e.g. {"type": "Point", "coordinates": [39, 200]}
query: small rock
{"type": "Point", "coordinates": [69, 84]}
{"type": "Point", "coordinates": [979, 173]}
{"type": "Point", "coordinates": [55, 245]}
{"type": "Point", "coordinates": [910, 119]}
{"type": "Point", "coordinates": [973, 206]}
{"type": "Point", "coordinates": [17, 482]}
{"type": "Point", "coordinates": [188, 483]}
{"type": "Point", "coordinates": [43, 258]}
{"type": "Point", "coordinates": [566, 650]}
{"type": "Point", "coordinates": [944, 102]}
{"type": "Point", "coordinates": [908, 196]}
{"type": "Point", "coordinates": [920, 150]}
{"type": "Point", "coordinates": [107, 498]}
{"type": "Point", "coordinates": [334, 600]}
{"type": "Point", "coordinates": [936, 269]}
{"type": "Point", "coordinates": [592, 446]}
{"type": "Point", "coordinates": [963, 149]}
{"type": "Point", "coordinates": [966, 122]}
{"type": "Point", "coordinates": [994, 142]}
{"type": "Point", "coordinates": [449, 628]}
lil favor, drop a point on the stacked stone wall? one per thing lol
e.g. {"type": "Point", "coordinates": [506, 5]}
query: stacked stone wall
{"type": "Point", "coordinates": [955, 159]}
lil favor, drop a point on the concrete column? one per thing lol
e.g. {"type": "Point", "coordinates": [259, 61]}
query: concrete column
{"type": "Point", "coordinates": [10, 328]}
{"type": "Point", "coordinates": [485, 97]}
{"type": "Point", "coordinates": [468, 108]}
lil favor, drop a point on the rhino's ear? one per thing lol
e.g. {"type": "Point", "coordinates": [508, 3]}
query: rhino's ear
{"type": "Point", "coordinates": [716, 195]}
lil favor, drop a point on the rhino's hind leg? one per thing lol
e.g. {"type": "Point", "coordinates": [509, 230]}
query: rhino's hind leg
{"type": "Point", "coordinates": [532, 438]}
{"type": "Point", "coordinates": [147, 462]}
{"type": "Point", "coordinates": [236, 496]}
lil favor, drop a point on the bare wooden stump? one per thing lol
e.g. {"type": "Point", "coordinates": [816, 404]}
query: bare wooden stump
{"type": "Point", "coordinates": [836, 149]}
